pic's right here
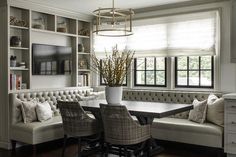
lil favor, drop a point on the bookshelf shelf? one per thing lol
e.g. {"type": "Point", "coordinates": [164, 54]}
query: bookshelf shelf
{"type": "Point", "coordinates": [53, 32]}
{"type": "Point", "coordinates": [19, 48]}
{"type": "Point", "coordinates": [83, 53]}
{"type": "Point", "coordinates": [84, 70]}
{"type": "Point", "coordinates": [19, 27]}
{"type": "Point", "coordinates": [83, 36]}
{"type": "Point", "coordinates": [18, 68]}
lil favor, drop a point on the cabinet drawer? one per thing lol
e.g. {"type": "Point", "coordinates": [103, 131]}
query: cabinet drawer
{"type": "Point", "coordinates": [231, 106]}
{"type": "Point", "coordinates": [230, 144]}
{"type": "Point", "coordinates": [231, 122]}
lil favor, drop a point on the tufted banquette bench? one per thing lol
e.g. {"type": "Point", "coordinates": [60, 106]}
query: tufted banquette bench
{"type": "Point", "coordinates": [39, 132]}
{"type": "Point", "coordinates": [178, 128]}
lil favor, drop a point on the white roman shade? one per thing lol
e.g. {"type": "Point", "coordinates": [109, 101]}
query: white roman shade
{"type": "Point", "coordinates": [179, 35]}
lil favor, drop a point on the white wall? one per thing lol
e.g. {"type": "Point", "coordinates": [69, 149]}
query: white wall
{"type": "Point", "coordinates": [226, 79]}
{"type": "Point", "coordinates": [55, 81]}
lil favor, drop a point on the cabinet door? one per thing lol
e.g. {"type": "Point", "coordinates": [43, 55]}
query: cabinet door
{"type": "Point", "coordinates": [233, 32]}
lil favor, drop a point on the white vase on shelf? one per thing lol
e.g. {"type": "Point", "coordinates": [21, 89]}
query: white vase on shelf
{"type": "Point", "coordinates": [113, 95]}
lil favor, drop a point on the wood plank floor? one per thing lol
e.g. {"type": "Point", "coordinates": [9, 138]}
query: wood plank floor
{"type": "Point", "coordinates": [53, 149]}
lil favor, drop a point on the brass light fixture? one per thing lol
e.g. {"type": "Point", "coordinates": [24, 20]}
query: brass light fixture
{"type": "Point", "coordinates": [113, 22]}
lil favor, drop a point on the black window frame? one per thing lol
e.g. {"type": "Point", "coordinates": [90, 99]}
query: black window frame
{"type": "Point", "coordinates": [148, 85]}
{"type": "Point", "coordinates": [199, 70]}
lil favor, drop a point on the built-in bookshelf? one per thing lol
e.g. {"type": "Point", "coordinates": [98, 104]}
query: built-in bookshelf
{"type": "Point", "coordinates": [24, 24]}
{"type": "Point", "coordinates": [19, 49]}
{"type": "Point", "coordinates": [84, 51]}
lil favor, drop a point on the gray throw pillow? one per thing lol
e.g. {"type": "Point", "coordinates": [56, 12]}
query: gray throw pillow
{"type": "Point", "coordinates": [215, 110]}
{"type": "Point", "coordinates": [17, 111]}
{"type": "Point", "coordinates": [198, 114]}
{"type": "Point", "coordinates": [28, 111]}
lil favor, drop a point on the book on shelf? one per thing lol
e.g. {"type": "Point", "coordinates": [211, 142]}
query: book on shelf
{"type": "Point", "coordinates": [83, 79]}
{"type": "Point", "coordinates": [15, 82]}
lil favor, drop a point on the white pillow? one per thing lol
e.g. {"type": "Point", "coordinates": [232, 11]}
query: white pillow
{"type": "Point", "coordinates": [43, 111]}
{"type": "Point", "coordinates": [215, 110]}
{"type": "Point", "coordinates": [198, 113]}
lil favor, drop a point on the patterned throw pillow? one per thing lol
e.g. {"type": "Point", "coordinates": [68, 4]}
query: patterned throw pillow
{"type": "Point", "coordinates": [215, 110]}
{"type": "Point", "coordinates": [28, 111]}
{"type": "Point", "coordinates": [198, 113]}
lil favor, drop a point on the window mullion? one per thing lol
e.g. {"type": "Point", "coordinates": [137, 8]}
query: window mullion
{"type": "Point", "coordinates": [199, 66]}
{"type": "Point", "coordinates": [187, 71]}
{"type": "Point", "coordinates": [155, 77]}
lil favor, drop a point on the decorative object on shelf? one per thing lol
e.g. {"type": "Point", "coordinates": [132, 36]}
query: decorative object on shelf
{"type": "Point", "coordinates": [81, 47]}
{"type": "Point", "coordinates": [83, 63]}
{"type": "Point", "coordinates": [15, 22]}
{"type": "Point", "coordinates": [39, 23]}
{"type": "Point", "coordinates": [15, 41]}
{"type": "Point", "coordinates": [22, 64]}
{"type": "Point", "coordinates": [13, 61]}
{"type": "Point", "coordinates": [113, 22]}
{"type": "Point", "coordinates": [23, 86]}
{"type": "Point", "coordinates": [113, 69]}
{"type": "Point", "coordinates": [84, 32]}
{"type": "Point", "coordinates": [62, 27]}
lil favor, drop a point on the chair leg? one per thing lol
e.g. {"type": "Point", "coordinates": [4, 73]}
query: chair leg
{"type": "Point", "coordinates": [126, 152]}
{"type": "Point", "coordinates": [79, 147]}
{"type": "Point", "coordinates": [13, 145]}
{"type": "Point", "coordinates": [64, 145]}
{"type": "Point", "coordinates": [107, 149]}
{"type": "Point", "coordinates": [120, 151]}
{"type": "Point", "coordinates": [34, 150]}
{"type": "Point", "coordinates": [148, 147]}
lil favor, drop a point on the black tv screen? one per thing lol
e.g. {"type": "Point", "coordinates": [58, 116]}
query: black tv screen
{"type": "Point", "coordinates": [51, 60]}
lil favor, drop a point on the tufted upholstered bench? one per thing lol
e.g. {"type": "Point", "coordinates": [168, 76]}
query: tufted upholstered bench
{"type": "Point", "coordinates": [39, 132]}
{"type": "Point", "coordinates": [178, 128]}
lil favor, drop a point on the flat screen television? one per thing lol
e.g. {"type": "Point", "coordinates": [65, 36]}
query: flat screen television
{"type": "Point", "coordinates": [51, 60]}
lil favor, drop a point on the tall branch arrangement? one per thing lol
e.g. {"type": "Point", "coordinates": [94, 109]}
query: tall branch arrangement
{"type": "Point", "coordinates": [113, 68]}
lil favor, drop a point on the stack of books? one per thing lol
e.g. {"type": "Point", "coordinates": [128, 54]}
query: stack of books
{"type": "Point", "coordinates": [15, 82]}
{"type": "Point", "coordinates": [83, 80]}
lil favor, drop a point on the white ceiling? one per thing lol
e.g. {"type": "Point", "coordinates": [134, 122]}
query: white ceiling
{"type": "Point", "coordinates": [87, 6]}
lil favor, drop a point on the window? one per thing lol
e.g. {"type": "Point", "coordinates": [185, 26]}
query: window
{"type": "Point", "coordinates": [150, 71]}
{"type": "Point", "coordinates": [193, 35]}
{"type": "Point", "coordinates": [194, 71]}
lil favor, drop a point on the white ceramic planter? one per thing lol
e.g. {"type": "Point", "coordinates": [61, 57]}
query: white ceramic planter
{"type": "Point", "coordinates": [113, 95]}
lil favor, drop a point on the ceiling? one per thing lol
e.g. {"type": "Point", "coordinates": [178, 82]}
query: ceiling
{"type": "Point", "coordinates": [87, 6]}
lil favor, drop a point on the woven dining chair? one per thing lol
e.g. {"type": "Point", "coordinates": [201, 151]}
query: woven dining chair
{"type": "Point", "coordinates": [76, 123]}
{"type": "Point", "coordinates": [120, 129]}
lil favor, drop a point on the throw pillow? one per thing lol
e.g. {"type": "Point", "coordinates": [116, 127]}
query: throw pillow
{"type": "Point", "coordinates": [17, 111]}
{"type": "Point", "coordinates": [28, 111]}
{"type": "Point", "coordinates": [198, 113]}
{"type": "Point", "coordinates": [215, 110]}
{"type": "Point", "coordinates": [86, 98]}
{"type": "Point", "coordinates": [43, 111]}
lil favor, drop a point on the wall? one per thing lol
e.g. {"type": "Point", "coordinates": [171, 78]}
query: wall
{"type": "Point", "coordinates": [50, 81]}
{"type": "Point", "coordinates": [226, 78]}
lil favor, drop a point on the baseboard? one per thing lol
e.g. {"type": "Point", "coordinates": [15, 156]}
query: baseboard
{"type": "Point", "coordinates": [5, 145]}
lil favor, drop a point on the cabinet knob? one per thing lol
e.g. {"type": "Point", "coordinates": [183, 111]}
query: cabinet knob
{"type": "Point", "coordinates": [233, 142]}
{"type": "Point", "coordinates": [233, 106]}
{"type": "Point", "coordinates": [233, 123]}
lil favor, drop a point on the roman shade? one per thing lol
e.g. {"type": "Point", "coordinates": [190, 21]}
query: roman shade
{"type": "Point", "coordinates": [177, 35]}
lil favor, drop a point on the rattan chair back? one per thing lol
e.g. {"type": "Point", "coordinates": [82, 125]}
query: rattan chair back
{"type": "Point", "coordinates": [120, 128]}
{"type": "Point", "coordinates": [75, 120]}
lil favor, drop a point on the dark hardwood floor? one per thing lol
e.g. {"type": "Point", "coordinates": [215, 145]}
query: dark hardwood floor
{"type": "Point", "coordinates": [53, 149]}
